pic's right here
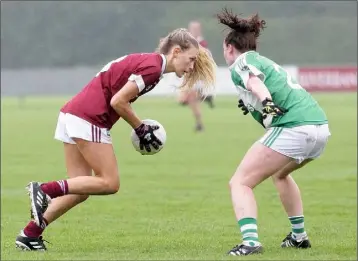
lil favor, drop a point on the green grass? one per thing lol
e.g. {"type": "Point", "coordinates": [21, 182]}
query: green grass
{"type": "Point", "coordinates": [176, 205]}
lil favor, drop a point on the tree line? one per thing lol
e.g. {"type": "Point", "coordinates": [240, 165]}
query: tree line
{"type": "Point", "coordinates": [64, 33]}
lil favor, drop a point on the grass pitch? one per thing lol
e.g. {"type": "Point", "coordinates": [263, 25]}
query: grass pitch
{"type": "Point", "coordinates": [176, 205]}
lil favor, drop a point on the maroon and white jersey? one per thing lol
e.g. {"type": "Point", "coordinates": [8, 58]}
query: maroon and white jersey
{"type": "Point", "coordinates": [93, 102]}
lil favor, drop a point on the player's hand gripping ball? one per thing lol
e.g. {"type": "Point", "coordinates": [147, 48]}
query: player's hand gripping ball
{"type": "Point", "coordinates": [148, 136]}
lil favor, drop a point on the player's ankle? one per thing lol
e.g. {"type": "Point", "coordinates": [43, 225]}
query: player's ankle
{"type": "Point", "coordinates": [32, 230]}
{"type": "Point", "coordinates": [300, 236]}
{"type": "Point", "coordinates": [55, 189]}
{"type": "Point", "coordinates": [248, 228]}
{"type": "Point", "coordinates": [251, 243]}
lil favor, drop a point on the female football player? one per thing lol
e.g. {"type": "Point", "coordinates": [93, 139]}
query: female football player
{"type": "Point", "coordinates": [84, 125]}
{"type": "Point", "coordinates": [296, 132]}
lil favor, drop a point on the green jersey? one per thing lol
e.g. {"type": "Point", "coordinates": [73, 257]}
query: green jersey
{"type": "Point", "coordinates": [285, 91]}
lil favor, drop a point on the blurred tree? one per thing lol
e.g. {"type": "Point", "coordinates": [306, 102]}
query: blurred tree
{"type": "Point", "coordinates": [64, 33]}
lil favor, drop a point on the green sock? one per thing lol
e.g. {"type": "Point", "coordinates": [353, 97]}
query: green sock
{"type": "Point", "coordinates": [298, 227]}
{"type": "Point", "coordinates": [248, 227]}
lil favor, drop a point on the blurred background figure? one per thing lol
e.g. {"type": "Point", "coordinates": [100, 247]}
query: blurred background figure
{"type": "Point", "coordinates": [193, 98]}
{"type": "Point", "coordinates": [195, 30]}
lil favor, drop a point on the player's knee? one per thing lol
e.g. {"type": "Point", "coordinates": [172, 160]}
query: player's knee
{"type": "Point", "coordinates": [247, 179]}
{"type": "Point", "coordinates": [231, 185]}
{"type": "Point", "coordinates": [235, 182]}
{"type": "Point", "coordinates": [275, 179]}
{"type": "Point", "coordinates": [279, 177]}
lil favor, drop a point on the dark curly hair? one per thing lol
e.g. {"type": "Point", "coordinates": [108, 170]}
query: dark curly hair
{"type": "Point", "coordinates": [243, 32]}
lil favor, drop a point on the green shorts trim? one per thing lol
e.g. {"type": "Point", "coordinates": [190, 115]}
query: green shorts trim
{"type": "Point", "coordinates": [270, 139]}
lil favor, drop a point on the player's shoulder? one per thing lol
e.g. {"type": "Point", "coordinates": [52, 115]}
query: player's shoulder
{"type": "Point", "coordinates": [252, 57]}
{"type": "Point", "coordinates": [147, 57]}
{"type": "Point", "coordinates": [258, 60]}
{"type": "Point", "coordinates": [246, 61]}
{"type": "Point", "coordinates": [149, 60]}
{"type": "Point", "coordinates": [240, 64]}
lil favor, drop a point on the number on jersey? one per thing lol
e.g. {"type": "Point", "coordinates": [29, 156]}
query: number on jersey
{"type": "Point", "coordinates": [290, 82]}
{"type": "Point", "coordinates": [108, 65]}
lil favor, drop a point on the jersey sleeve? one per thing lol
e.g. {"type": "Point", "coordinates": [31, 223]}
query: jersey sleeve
{"type": "Point", "coordinates": [145, 75]}
{"type": "Point", "coordinates": [243, 68]}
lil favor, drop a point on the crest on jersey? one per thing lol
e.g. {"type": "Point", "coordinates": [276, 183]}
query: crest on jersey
{"type": "Point", "coordinates": [250, 107]}
{"type": "Point", "coordinates": [245, 68]}
{"type": "Point", "coordinates": [149, 88]}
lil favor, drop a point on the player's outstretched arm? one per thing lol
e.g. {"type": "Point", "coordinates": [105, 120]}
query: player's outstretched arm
{"type": "Point", "coordinates": [120, 102]}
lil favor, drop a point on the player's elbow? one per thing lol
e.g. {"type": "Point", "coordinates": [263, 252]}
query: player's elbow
{"type": "Point", "coordinates": [116, 102]}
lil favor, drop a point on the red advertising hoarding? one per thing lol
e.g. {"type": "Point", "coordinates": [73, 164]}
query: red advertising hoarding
{"type": "Point", "coordinates": [332, 79]}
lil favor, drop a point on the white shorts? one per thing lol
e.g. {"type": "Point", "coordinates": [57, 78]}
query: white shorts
{"type": "Point", "coordinates": [70, 126]}
{"type": "Point", "coordinates": [300, 143]}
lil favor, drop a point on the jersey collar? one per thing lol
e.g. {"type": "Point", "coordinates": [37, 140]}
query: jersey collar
{"type": "Point", "coordinates": [238, 58]}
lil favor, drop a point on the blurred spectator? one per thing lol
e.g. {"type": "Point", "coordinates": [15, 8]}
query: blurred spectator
{"type": "Point", "coordinates": [193, 97]}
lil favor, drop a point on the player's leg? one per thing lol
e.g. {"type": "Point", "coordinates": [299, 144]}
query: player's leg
{"type": "Point", "coordinates": [183, 98]}
{"type": "Point", "coordinates": [259, 163]}
{"type": "Point", "coordinates": [316, 141]}
{"type": "Point", "coordinates": [95, 145]}
{"type": "Point", "coordinates": [292, 202]}
{"type": "Point", "coordinates": [210, 100]}
{"type": "Point", "coordinates": [101, 158]}
{"type": "Point", "coordinates": [76, 165]}
{"type": "Point", "coordinates": [194, 104]}
{"type": "Point", "coordinates": [288, 190]}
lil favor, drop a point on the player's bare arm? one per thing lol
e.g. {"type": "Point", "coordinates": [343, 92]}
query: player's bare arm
{"type": "Point", "coordinates": [258, 88]}
{"type": "Point", "coordinates": [120, 103]}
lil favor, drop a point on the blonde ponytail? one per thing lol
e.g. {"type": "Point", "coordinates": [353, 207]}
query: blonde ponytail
{"type": "Point", "coordinates": [203, 73]}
